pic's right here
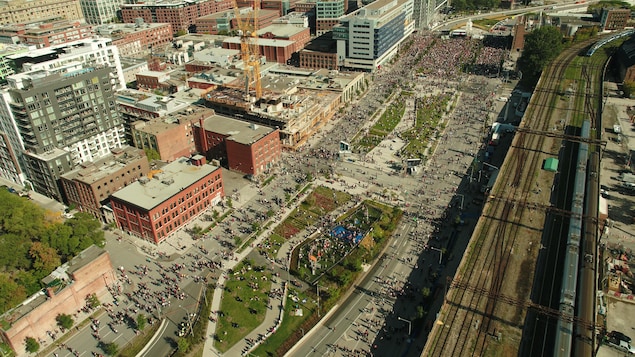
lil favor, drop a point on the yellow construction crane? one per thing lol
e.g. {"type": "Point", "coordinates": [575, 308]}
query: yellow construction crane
{"type": "Point", "coordinates": [249, 49]}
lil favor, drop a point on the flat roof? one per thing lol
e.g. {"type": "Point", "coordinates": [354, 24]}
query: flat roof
{"type": "Point", "coordinates": [281, 30]}
{"type": "Point", "coordinates": [169, 121]}
{"type": "Point", "coordinates": [85, 257]}
{"type": "Point", "coordinates": [263, 42]}
{"type": "Point", "coordinates": [82, 259]}
{"type": "Point", "coordinates": [173, 178]}
{"type": "Point", "coordinates": [94, 171]}
{"type": "Point", "coordinates": [237, 130]}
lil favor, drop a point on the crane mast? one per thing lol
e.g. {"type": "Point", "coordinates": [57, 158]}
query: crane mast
{"type": "Point", "coordinates": [249, 49]}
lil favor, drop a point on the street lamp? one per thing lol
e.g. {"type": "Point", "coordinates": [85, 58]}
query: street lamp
{"type": "Point", "coordinates": [317, 290]}
{"type": "Point", "coordinates": [440, 253]}
{"type": "Point", "coordinates": [462, 199]}
{"type": "Point", "coordinates": [409, 324]}
{"type": "Point", "coordinates": [490, 165]}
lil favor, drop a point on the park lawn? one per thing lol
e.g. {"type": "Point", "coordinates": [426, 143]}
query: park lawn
{"type": "Point", "coordinates": [428, 120]}
{"type": "Point", "coordinates": [291, 324]}
{"type": "Point", "coordinates": [386, 123]}
{"type": "Point", "coordinates": [242, 305]}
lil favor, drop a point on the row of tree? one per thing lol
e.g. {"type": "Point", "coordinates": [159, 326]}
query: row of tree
{"type": "Point", "coordinates": [33, 242]}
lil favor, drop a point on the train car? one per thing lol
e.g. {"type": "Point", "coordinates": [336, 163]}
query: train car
{"type": "Point", "coordinates": [568, 291]}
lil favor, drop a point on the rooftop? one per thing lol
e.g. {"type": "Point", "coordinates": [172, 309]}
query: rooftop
{"type": "Point", "coordinates": [57, 279]}
{"type": "Point", "coordinates": [281, 30]}
{"type": "Point", "coordinates": [175, 176]}
{"type": "Point", "coordinates": [151, 102]}
{"type": "Point", "coordinates": [263, 42]}
{"type": "Point", "coordinates": [91, 172]}
{"type": "Point", "coordinates": [239, 131]}
{"type": "Point", "coordinates": [216, 55]}
{"type": "Point", "coordinates": [116, 31]}
{"type": "Point", "coordinates": [170, 121]}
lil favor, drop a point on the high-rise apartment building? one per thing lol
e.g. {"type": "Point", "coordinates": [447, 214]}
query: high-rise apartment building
{"type": "Point", "coordinates": [64, 119]}
{"type": "Point", "coordinates": [23, 11]}
{"type": "Point", "coordinates": [371, 36]}
{"type": "Point", "coordinates": [99, 12]}
{"type": "Point", "coordinates": [12, 162]}
{"type": "Point", "coordinates": [93, 52]}
{"type": "Point", "coordinates": [6, 65]}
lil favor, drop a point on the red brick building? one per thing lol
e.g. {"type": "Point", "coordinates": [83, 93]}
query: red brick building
{"type": "Point", "coordinates": [132, 41]}
{"type": "Point", "coordinates": [89, 187]}
{"type": "Point", "coordinates": [518, 33]}
{"type": "Point", "coordinates": [316, 59]}
{"type": "Point", "coordinates": [155, 208]}
{"type": "Point", "coordinates": [45, 34]}
{"type": "Point", "coordinates": [181, 14]}
{"type": "Point", "coordinates": [305, 6]}
{"type": "Point", "coordinates": [90, 272]}
{"type": "Point", "coordinates": [281, 6]}
{"type": "Point", "coordinates": [614, 19]}
{"type": "Point", "coordinates": [171, 135]}
{"type": "Point", "coordinates": [274, 50]}
{"type": "Point", "coordinates": [242, 146]}
{"type": "Point", "coordinates": [225, 21]}
{"type": "Point", "coordinates": [321, 52]}
{"type": "Point", "coordinates": [300, 36]}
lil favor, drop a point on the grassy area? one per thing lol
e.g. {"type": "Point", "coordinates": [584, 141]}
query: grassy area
{"type": "Point", "coordinates": [386, 123]}
{"type": "Point", "coordinates": [132, 348]}
{"type": "Point", "coordinates": [357, 222]}
{"type": "Point", "coordinates": [335, 283]}
{"type": "Point", "coordinates": [244, 304]}
{"type": "Point", "coordinates": [320, 202]}
{"type": "Point", "coordinates": [292, 327]}
{"type": "Point", "coordinates": [430, 111]}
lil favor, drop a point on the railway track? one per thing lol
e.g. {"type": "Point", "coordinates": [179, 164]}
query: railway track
{"type": "Point", "coordinates": [467, 320]}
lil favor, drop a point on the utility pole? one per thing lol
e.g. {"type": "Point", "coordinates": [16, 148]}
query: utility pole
{"type": "Point", "coordinates": [317, 290]}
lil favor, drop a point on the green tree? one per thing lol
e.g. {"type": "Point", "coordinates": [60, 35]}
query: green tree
{"type": "Point", "coordinates": [541, 47]}
{"type": "Point", "coordinates": [141, 322]}
{"type": "Point", "coordinates": [152, 154]}
{"type": "Point", "coordinates": [11, 293]}
{"type": "Point", "coordinates": [29, 280]}
{"type": "Point", "coordinates": [32, 346]}
{"type": "Point", "coordinates": [64, 321]}
{"type": "Point", "coordinates": [45, 258]}
{"type": "Point", "coordinates": [629, 88]}
{"type": "Point", "coordinates": [93, 301]}
{"type": "Point", "coordinates": [110, 349]}
{"type": "Point", "coordinates": [181, 32]}
{"type": "Point", "coordinates": [183, 344]}
{"type": "Point", "coordinates": [421, 313]}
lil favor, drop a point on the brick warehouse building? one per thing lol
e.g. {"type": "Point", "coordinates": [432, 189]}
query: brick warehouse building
{"type": "Point", "coordinates": [245, 147]}
{"type": "Point", "coordinates": [153, 209]}
{"type": "Point", "coordinates": [89, 186]}
{"type": "Point", "coordinates": [90, 272]}
{"type": "Point", "coordinates": [181, 14]}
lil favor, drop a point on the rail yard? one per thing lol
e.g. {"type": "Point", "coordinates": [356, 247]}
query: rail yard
{"type": "Point", "coordinates": [507, 295]}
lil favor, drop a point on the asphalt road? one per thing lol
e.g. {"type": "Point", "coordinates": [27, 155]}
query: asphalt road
{"type": "Point", "coordinates": [378, 315]}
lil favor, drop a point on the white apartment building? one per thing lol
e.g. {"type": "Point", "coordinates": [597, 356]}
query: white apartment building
{"type": "Point", "coordinates": [370, 36]}
{"type": "Point", "coordinates": [99, 12]}
{"type": "Point", "coordinates": [12, 164]}
{"type": "Point", "coordinates": [93, 51]}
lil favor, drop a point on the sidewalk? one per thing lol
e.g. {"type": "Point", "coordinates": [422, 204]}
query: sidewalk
{"type": "Point", "coordinates": [272, 317]}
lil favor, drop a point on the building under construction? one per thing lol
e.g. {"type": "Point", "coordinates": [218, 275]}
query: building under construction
{"type": "Point", "coordinates": [298, 102]}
